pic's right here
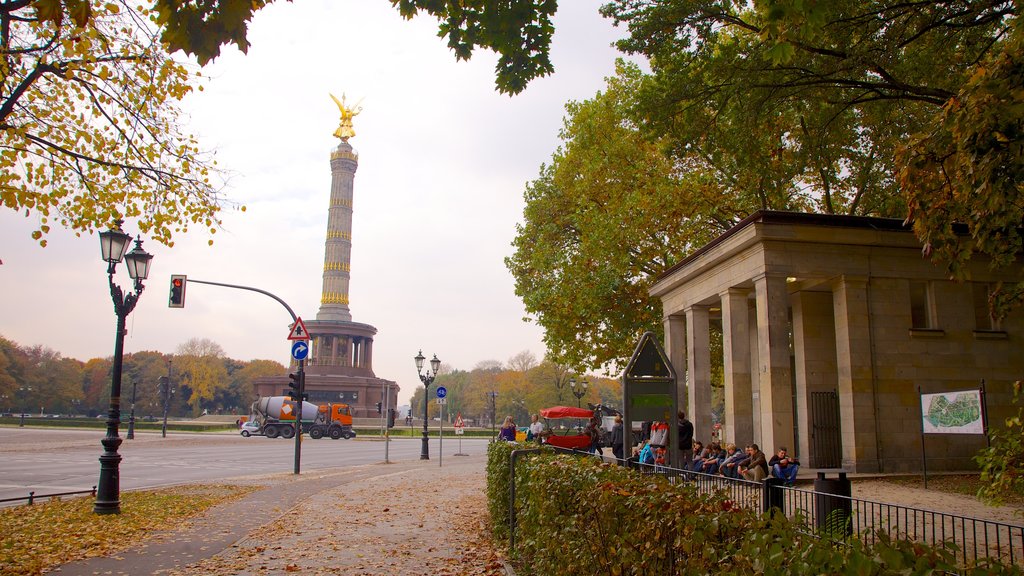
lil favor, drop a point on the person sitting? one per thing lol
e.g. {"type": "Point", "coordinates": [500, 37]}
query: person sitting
{"type": "Point", "coordinates": [713, 460]}
{"type": "Point", "coordinates": [784, 467]}
{"type": "Point", "coordinates": [696, 457]}
{"type": "Point", "coordinates": [755, 466]}
{"type": "Point", "coordinates": [646, 458]}
{"type": "Point", "coordinates": [536, 430]}
{"type": "Point", "coordinates": [728, 467]}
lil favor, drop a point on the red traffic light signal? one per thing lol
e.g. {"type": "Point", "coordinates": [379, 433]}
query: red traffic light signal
{"type": "Point", "coordinates": [177, 298]}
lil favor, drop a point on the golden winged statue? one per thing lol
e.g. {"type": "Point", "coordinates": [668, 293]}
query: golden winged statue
{"type": "Point", "coordinates": [345, 130]}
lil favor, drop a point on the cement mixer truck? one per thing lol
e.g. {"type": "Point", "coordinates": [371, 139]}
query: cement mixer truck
{"type": "Point", "coordinates": [276, 415]}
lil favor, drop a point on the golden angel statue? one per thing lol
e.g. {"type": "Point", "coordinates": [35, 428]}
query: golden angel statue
{"type": "Point", "coordinates": [345, 130]}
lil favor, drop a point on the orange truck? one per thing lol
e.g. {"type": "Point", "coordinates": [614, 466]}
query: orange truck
{"type": "Point", "coordinates": [276, 418]}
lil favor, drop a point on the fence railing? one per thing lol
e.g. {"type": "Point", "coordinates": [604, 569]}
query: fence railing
{"type": "Point", "coordinates": [32, 496]}
{"type": "Point", "coordinates": [840, 516]}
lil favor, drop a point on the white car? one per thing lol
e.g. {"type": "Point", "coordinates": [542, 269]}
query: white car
{"type": "Point", "coordinates": [250, 429]}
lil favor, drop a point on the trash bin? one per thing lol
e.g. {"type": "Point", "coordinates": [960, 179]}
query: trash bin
{"type": "Point", "coordinates": [833, 513]}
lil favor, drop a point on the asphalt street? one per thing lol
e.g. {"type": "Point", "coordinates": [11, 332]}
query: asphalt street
{"type": "Point", "coordinates": [49, 461]}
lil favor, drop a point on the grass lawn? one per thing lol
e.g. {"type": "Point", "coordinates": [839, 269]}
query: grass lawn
{"type": "Point", "coordinates": [39, 537]}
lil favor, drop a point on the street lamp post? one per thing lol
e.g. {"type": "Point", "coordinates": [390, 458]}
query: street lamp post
{"type": "Point", "coordinates": [24, 394]}
{"type": "Point", "coordinates": [494, 414]}
{"type": "Point", "coordinates": [131, 419]}
{"type": "Point", "coordinates": [114, 245]}
{"type": "Point", "coordinates": [167, 391]}
{"type": "Point", "coordinates": [579, 391]}
{"type": "Point", "coordinates": [427, 378]}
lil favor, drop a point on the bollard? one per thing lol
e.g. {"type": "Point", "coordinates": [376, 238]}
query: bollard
{"type": "Point", "coordinates": [31, 497]}
{"type": "Point", "coordinates": [773, 496]}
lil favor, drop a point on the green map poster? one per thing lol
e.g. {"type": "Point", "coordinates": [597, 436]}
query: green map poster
{"type": "Point", "coordinates": [952, 413]}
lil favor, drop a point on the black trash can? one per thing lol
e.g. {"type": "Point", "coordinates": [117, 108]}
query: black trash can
{"type": "Point", "coordinates": [833, 512]}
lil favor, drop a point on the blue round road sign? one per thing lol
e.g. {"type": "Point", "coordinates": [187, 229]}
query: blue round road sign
{"type": "Point", "coordinates": [442, 391]}
{"type": "Point", "coordinates": [300, 349]}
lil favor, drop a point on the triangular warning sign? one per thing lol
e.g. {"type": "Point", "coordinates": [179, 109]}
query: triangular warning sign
{"type": "Point", "coordinates": [299, 331]}
{"type": "Point", "coordinates": [458, 421]}
{"type": "Point", "coordinates": [649, 360]}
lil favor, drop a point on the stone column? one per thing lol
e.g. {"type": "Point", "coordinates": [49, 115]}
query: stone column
{"type": "Point", "coordinates": [853, 364]}
{"type": "Point", "coordinates": [776, 375]}
{"type": "Point", "coordinates": [369, 356]}
{"type": "Point", "coordinates": [675, 348]}
{"type": "Point", "coordinates": [739, 417]}
{"type": "Point", "coordinates": [814, 346]}
{"type": "Point", "coordinates": [338, 244]}
{"type": "Point", "coordinates": [698, 370]}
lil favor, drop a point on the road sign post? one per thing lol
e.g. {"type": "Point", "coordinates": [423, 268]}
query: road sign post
{"type": "Point", "coordinates": [442, 399]}
{"type": "Point", "coordinates": [459, 425]}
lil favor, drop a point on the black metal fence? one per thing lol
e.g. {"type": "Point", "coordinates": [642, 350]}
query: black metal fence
{"type": "Point", "coordinates": [32, 496]}
{"type": "Point", "coordinates": [838, 516]}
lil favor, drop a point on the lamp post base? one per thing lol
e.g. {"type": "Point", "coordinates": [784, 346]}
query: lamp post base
{"type": "Point", "coordinates": [108, 500]}
{"type": "Point", "coordinates": [425, 447]}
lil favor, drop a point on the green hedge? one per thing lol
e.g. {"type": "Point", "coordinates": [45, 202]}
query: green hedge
{"type": "Point", "coordinates": [580, 517]}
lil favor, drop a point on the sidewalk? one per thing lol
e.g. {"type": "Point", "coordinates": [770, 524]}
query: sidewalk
{"type": "Point", "coordinates": [407, 518]}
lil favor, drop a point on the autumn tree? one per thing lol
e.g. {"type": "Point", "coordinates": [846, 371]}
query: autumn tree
{"type": "Point", "coordinates": [199, 366]}
{"type": "Point", "coordinates": [96, 385]}
{"type": "Point", "coordinates": [240, 393]}
{"type": "Point", "coordinates": [53, 383]}
{"type": "Point", "coordinates": [144, 369]}
{"type": "Point", "coordinates": [519, 31]}
{"type": "Point", "coordinates": [90, 122]}
{"type": "Point", "coordinates": [877, 108]}
{"type": "Point", "coordinates": [606, 217]}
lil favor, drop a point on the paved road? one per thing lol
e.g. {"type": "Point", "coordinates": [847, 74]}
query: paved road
{"type": "Point", "coordinates": [47, 461]}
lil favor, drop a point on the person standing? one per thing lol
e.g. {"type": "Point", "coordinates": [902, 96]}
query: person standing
{"type": "Point", "coordinates": [508, 430]}
{"type": "Point", "coordinates": [536, 429]}
{"type": "Point", "coordinates": [617, 439]}
{"type": "Point", "coordinates": [685, 439]}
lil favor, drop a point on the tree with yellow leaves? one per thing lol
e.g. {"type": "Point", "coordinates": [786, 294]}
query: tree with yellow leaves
{"type": "Point", "coordinates": [90, 123]}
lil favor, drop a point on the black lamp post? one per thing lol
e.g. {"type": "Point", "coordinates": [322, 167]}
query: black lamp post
{"type": "Point", "coordinates": [131, 419]}
{"type": "Point", "coordinates": [24, 395]}
{"type": "Point", "coordinates": [494, 414]}
{"type": "Point", "coordinates": [167, 391]}
{"type": "Point", "coordinates": [427, 378]}
{"type": "Point", "coordinates": [113, 244]}
{"type": "Point", "coordinates": [579, 391]}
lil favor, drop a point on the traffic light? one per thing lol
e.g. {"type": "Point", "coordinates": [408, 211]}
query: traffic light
{"type": "Point", "coordinates": [294, 383]}
{"type": "Point", "coordinates": [177, 299]}
{"type": "Point", "coordinates": [391, 417]}
{"type": "Point", "coordinates": [378, 407]}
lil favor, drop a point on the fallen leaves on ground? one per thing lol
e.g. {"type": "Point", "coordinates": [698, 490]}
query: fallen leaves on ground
{"type": "Point", "coordinates": [35, 538]}
{"type": "Point", "coordinates": [386, 526]}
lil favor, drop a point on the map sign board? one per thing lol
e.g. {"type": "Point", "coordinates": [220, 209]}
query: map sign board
{"type": "Point", "coordinates": [649, 390]}
{"type": "Point", "coordinates": [952, 413]}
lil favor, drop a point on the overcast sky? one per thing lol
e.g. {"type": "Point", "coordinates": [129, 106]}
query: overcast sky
{"type": "Point", "coordinates": [443, 162]}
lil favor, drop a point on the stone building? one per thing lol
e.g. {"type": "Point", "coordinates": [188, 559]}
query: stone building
{"type": "Point", "coordinates": [832, 327]}
{"type": "Point", "coordinates": [340, 365]}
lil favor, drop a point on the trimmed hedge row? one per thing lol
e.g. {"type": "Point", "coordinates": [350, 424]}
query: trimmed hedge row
{"type": "Point", "coordinates": [577, 516]}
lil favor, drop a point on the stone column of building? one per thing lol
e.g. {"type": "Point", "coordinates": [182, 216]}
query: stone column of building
{"type": "Point", "coordinates": [338, 247]}
{"type": "Point", "coordinates": [739, 416]}
{"type": "Point", "coordinates": [675, 348]}
{"type": "Point", "coordinates": [698, 370]}
{"type": "Point", "coordinates": [814, 347]}
{"type": "Point", "coordinates": [776, 374]}
{"type": "Point", "coordinates": [853, 364]}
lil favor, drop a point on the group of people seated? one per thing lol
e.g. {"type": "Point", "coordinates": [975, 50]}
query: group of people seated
{"type": "Point", "coordinates": [750, 464]}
